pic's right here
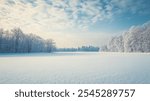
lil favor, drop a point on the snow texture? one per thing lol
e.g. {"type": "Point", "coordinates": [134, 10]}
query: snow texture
{"type": "Point", "coordinates": [78, 68]}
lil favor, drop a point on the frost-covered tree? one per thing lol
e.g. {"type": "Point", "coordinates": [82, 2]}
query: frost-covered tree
{"type": "Point", "coordinates": [1, 38]}
{"type": "Point", "coordinates": [116, 44]}
{"type": "Point", "coordinates": [18, 38]}
{"type": "Point", "coordinates": [50, 45]}
{"type": "Point", "coordinates": [136, 39]}
{"type": "Point", "coordinates": [16, 41]}
{"type": "Point", "coordinates": [104, 48]}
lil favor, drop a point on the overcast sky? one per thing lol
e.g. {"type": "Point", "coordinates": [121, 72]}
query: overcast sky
{"type": "Point", "coordinates": [73, 23]}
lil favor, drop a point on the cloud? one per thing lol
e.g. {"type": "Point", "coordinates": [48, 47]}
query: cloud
{"type": "Point", "coordinates": [64, 14]}
{"type": "Point", "coordinates": [131, 6]}
{"type": "Point", "coordinates": [57, 14]}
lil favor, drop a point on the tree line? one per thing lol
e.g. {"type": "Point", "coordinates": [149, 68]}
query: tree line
{"type": "Point", "coordinates": [136, 39]}
{"type": "Point", "coordinates": [16, 41]}
{"type": "Point", "coordinates": [80, 49]}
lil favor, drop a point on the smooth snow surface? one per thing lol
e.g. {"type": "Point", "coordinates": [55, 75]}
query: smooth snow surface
{"type": "Point", "coordinates": [77, 68]}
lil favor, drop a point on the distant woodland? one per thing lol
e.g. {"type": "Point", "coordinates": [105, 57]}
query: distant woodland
{"type": "Point", "coordinates": [79, 49]}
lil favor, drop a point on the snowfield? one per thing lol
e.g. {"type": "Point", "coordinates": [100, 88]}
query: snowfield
{"type": "Point", "coordinates": [80, 67]}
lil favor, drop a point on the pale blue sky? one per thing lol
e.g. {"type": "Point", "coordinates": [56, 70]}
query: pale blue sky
{"type": "Point", "coordinates": [73, 23]}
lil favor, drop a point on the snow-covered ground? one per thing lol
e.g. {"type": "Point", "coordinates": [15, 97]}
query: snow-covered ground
{"type": "Point", "coordinates": [75, 68]}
